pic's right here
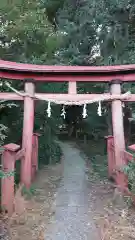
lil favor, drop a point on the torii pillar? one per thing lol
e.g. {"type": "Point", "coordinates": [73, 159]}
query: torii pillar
{"type": "Point", "coordinates": [118, 132]}
{"type": "Point", "coordinates": [28, 125]}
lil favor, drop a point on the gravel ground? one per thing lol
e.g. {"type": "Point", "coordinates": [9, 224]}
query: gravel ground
{"type": "Point", "coordinates": [72, 219]}
{"type": "Point", "coordinates": [4, 235]}
{"type": "Point", "coordinates": [37, 211]}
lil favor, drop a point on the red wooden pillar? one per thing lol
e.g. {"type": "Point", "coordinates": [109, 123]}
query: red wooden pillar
{"type": "Point", "coordinates": [72, 88]}
{"type": "Point", "coordinates": [110, 155]}
{"type": "Point", "coordinates": [35, 154]}
{"type": "Point", "coordinates": [28, 124]}
{"type": "Point", "coordinates": [118, 131]}
{"type": "Point", "coordinates": [7, 186]}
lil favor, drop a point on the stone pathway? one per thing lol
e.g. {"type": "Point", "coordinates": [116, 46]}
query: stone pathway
{"type": "Point", "coordinates": [72, 216]}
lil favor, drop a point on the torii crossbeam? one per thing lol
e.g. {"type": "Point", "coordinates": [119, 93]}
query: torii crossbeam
{"type": "Point", "coordinates": [20, 71]}
{"type": "Point", "coordinates": [115, 75]}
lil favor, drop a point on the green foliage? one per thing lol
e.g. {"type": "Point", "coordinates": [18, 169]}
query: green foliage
{"type": "Point", "coordinates": [28, 193]}
{"type": "Point", "coordinates": [76, 21]}
{"type": "Point", "coordinates": [99, 164]}
{"type": "Point", "coordinates": [3, 134]}
{"type": "Point", "coordinates": [26, 31]}
{"type": "Point", "coordinates": [129, 170]}
{"type": "Point", "coordinates": [94, 125]}
{"type": "Point", "coordinates": [95, 150]}
{"type": "Point", "coordinates": [114, 21]}
{"type": "Point", "coordinates": [5, 175]}
{"type": "Point", "coordinates": [49, 150]}
{"type": "Point", "coordinates": [27, 35]}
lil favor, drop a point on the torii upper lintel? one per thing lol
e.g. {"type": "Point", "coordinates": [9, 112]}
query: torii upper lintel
{"type": "Point", "coordinates": [21, 71]}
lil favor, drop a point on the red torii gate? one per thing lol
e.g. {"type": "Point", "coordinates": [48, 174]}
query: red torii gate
{"type": "Point", "coordinates": [115, 75]}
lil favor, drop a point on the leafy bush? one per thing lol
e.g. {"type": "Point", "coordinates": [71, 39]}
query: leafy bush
{"type": "Point", "coordinates": [129, 170]}
{"type": "Point", "coordinates": [49, 151]}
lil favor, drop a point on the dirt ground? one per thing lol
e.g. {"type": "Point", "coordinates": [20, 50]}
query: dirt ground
{"type": "Point", "coordinates": [113, 216]}
{"type": "Point", "coordinates": [33, 214]}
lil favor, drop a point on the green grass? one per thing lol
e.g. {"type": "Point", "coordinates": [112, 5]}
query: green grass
{"type": "Point", "coordinates": [99, 164]}
{"type": "Point", "coordinates": [29, 193]}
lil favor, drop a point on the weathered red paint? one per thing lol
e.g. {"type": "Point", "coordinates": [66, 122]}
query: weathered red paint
{"type": "Point", "coordinates": [123, 180]}
{"type": "Point", "coordinates": [11, 147]}
{"type": "Point", "coordinates": [10, 96]}
{"type": "Point", "coordinates": [24, 67]}
{"type": "Point", "coordinates": [19, 71]}
{"type": "Point", "coordinates": [132, 147]}
{"type": "Point", "coordinates": [128, 157]}
{"type": "Point", "coordinates": [128, 77]}
{"type": "Point", "coordinates": [28, 125]}
{"type": "Point", "coordinates": [111, 157]}
{"type": "Point", "coordinates": [118, 133]}
{"type": "Point", "coordinates": [20, 154]}
{"type": "Point", "coordinates": [34, 154]}
{"type": "Point", "coordinates": [72, 89]}
{"type": "Point", "coordinates": [7, 186]}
